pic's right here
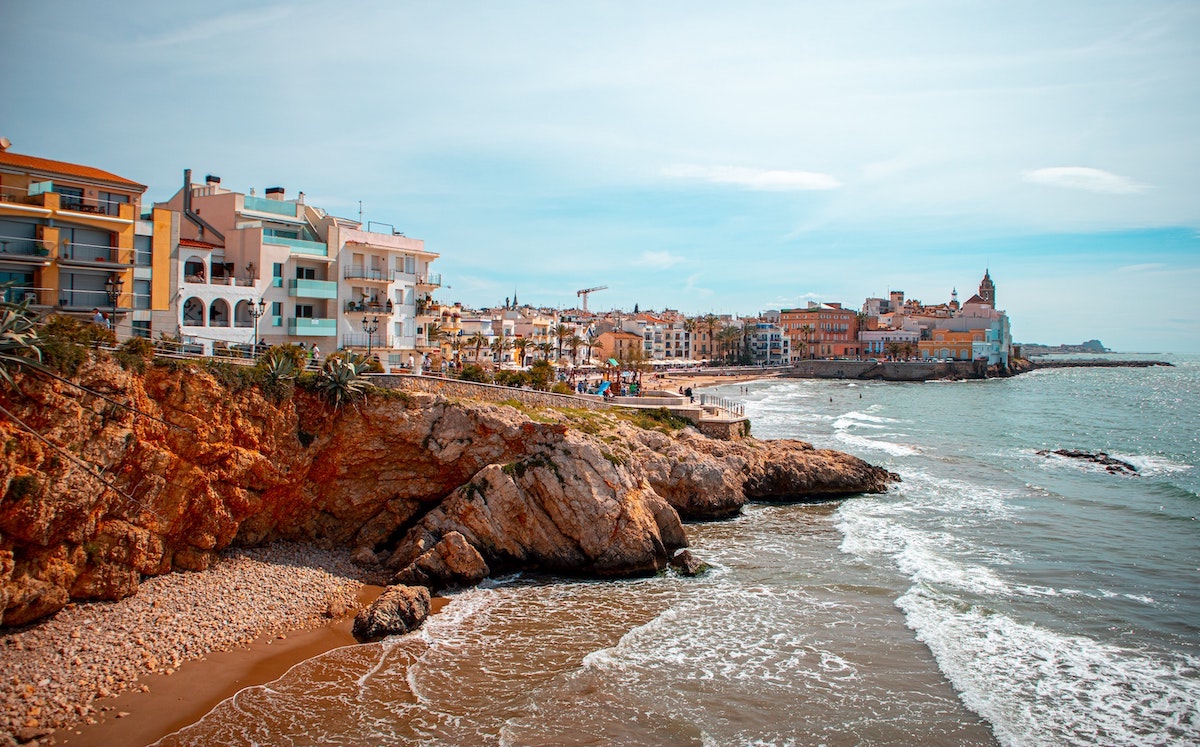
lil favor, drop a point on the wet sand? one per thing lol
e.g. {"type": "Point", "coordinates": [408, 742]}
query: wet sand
{"type": "Point", "coordinates": [178, 700]}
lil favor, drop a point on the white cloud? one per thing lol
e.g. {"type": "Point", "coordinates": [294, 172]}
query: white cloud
{"type": "Point", "coordinates": [221, 25]}
{"type": "Point", "coordinates": [1082, 177]}
{"type": "Point", "coordinates": [1141, 268]}
{"type": "Point", "coordinates": [692, 287]}
{"type": "Point", "coordinates": [658, 260]}
{"type": "Point", "coordinates": [761, 179]}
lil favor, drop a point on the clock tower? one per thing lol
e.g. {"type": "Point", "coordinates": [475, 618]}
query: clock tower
{"type": "Point", "coordinates": [987, 289]}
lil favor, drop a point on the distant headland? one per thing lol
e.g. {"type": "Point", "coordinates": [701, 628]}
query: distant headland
{"type": "Point", "coordinates": [1031, 349]}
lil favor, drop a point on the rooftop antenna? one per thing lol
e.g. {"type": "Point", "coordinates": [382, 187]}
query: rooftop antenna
{"type": "Point", "coordinates": [360, 212]}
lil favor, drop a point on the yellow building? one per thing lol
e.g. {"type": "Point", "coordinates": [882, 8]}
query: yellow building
{"type": "Point", "coordinates": [71, 242]}
{"type": "Point", "coordinates": [948, 344]}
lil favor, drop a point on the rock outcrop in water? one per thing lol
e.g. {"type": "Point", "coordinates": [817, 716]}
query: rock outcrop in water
{"type": "Point", "coordinates": [444, 491]}
{"type": "Point", "coordinates": [1111, 464]}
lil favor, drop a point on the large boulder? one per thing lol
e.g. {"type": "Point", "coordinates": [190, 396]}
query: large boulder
{"type": "Point", "coordinates": [398, 610]}
{"type": "Point", "coordinates": [450, 562]}
{"type": "Point", "coordinates": [567, 509]}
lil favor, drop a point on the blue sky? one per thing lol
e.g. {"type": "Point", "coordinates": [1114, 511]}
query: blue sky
{"type": "Point", "coordinates": [704, 156]}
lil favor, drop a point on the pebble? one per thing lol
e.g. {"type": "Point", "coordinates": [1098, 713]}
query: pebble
{"type": "Point", "coordinates": [52, 672]}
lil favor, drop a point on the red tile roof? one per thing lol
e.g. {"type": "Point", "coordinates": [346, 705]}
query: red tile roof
{"type": "Point", "coordinates": [45, 165]}
{"type": "Point", "coordinates": [197, 244]}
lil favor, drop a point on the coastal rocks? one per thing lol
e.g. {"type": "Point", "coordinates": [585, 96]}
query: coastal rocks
{"type": "Point", "coordinates": [398, 610]}
{"type": "Point", "coordinates": [451, 562]}
{"type": "Point", "coordinates": [206, 466]}
{"type": "Point", "coordinates": [686, 564]}
{"type": "Point", "coordinates": [1112, 465]}
{"type": "Point", "coordinates": [567, 509]}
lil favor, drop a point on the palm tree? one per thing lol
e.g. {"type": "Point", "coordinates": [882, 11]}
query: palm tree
{"type": "Point", "coordinates": [689, 328]}
{"type": "Point", "coordinates": [545, 348]}
{"type": "Point", "coordinates": [573, 344]}
{"type": "Point", "coordinates": [521, 344]}
{"type": "Point", "coordinates": [456, 343]}
{"type": "Point", "coordinates": [477, 340]}
{"type": "Point", "coordinates": [433, 336]}
{"type": "Point", "coordinates": [560, 332]}
{"type": "Point", "coordinates": [729, 338]}
{"type": "Point", "coordinates": [806, 331]}
{"type": "Point", "coordinates": [590, 341]}
{"type": "Point", "coordinates": [710, 322]}
{"type": "Point", "coordinates": [499, 345]}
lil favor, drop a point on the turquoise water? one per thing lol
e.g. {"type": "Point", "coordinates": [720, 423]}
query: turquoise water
{"type": "Point", "coordinates": [994, 596]}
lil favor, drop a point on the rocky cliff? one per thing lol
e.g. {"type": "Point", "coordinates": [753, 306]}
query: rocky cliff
{"type": "Point", "coordinates": [441, 491]}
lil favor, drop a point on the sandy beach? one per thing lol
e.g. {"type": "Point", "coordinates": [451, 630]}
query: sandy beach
{"type": "Point", "coordinates": [132, 671]}
{"type": "Point", "coordinates": [706, 377]}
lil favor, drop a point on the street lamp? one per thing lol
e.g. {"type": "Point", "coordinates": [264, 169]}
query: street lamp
{"type": "Point", "coordinates": [113, 287]}
{"type": "Point", "coordinates": [257, 312]}
{"type": "Point", "coordinates": [370, 326]}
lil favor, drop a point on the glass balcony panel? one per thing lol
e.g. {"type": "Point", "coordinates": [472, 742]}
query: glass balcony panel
{"type": "Point", "coordinates": [300, 246]}
{"type": "Point", "coordinates": [302, 327]}
{"type": "Point", "coordinates": [300, 288]}
{"type": "Point", "coordinates": [263, 205]}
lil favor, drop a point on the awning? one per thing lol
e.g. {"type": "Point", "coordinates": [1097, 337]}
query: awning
{"type": "Point", "coordinates": [613, 362]}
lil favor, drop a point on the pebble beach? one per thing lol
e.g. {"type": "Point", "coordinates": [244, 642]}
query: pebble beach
{"type": "Point", "coordinates": [52, 673]}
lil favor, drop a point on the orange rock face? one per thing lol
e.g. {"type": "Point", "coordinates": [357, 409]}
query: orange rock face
{"type": "Point", "coordinates": [204, 467]}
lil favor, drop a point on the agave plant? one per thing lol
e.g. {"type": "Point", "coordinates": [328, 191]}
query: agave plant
{"type": "Point", "coordinates": [18, 340]}
{"type": "Point", "coordinates": [341, 380]}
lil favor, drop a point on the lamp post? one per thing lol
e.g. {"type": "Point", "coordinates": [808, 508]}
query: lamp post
{"type": "Point", "coordinates": [370, 326]}
{"type": "Point", "coordinates": [113, 287]}
{"type": "Point", "coordinates": [257, 312]}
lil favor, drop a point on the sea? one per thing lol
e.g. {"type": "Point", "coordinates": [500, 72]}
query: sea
{"type": "Point", "coordinates": [996, 595]}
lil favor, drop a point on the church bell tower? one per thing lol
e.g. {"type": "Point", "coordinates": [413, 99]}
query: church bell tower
{"type": "Point", "coordinates": [987, 289]}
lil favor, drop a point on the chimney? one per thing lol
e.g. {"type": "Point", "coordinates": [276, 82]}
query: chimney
{"type": "Point", "coordinates": [274, 193]}
{"type": "Point", "coordinates": [211, 180]}
{"type": "Point", "coordinates": [300, 199]}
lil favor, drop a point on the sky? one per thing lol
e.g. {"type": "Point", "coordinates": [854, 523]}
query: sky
{"type": "Point", "coordinates": [702, 156]}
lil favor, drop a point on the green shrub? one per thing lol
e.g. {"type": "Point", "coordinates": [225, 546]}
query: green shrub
{"type": "Point", "coordinates": [515, 379]}
{"type": "Point", "coordinates": [471, 372]}
{"type": "Point", "coordinates": [562, 387]}
{"type": "Point", "coordinates": [133, 354]}
{"type": "Point", "coordinates": [541, 373]}
{"type": "Point", "coordinates": [341, 380]}
{"type": "Point", "coordinates": [65, 342]}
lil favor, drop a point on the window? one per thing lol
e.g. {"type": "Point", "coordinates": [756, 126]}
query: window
{"type": "Point", "coordinates": [71, 198]}
{"type": "Point", "coordinates": [304, 311]}
{"type": "Point", "coordinates": [111, 202]}
{"type": "Point", "coordinates": [141, 294]}
{"type": "Point", "coordinates": [141, 329]}
{"type": "Point", "coordinates": [143, 248]}
{"type": "Point", "coordinates": [306, 273]}
{"type": "Point", "coordinates": [277, 276]}
{"type": "Point", "coordinates": [277, 312]}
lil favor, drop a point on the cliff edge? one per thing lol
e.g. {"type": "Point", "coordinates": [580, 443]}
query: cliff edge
{"type": "Point", "coordinates": [437, 490]}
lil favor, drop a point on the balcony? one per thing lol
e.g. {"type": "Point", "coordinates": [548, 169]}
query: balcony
{"type": "Point", "coordinates": [264, 205]}
{"type": "Point", "coordinates": [76, 254]}
{"type": "Point", "coordinates": [300, 288]}
{"type": "Point", "coordinates": [369, 308]}
{"type": "Point", "coordinates": [358, 272]}
{"type": "Point", "coordinates": [433, 280]}
{"type": "Point", "coordinates": [303, 327]}
{"type": "Point", "coordinates": [23, 250]}
{"type": "Point", "coordinates": [359, 340]}
{"type": "Point", "coordinates": [300, 246]}
{"type": "Point", "coordinates": [35, 296]}
{"type": "Point", "coordinates": [83, 300]}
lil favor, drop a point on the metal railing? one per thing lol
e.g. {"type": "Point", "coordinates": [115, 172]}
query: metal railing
{"type": "Point", "coordinates": [723, 403]}
{"type": "Point", "coordinates": [358, 272]}
{"type": "Point", "coordinates": [22, 245]}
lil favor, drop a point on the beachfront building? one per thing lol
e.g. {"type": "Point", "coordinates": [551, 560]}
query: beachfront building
{"type": "Point", "coordinates": [892, 343]}
{"type": "Point", "coordinates": [946, 344]}
{"type": "Point", "coordinates": [767, 345]}
{"type": "Point", "coordinates": [822, 330]}
{"type": "Point", "coordinates": [73, 241]}
{"type": "Point", "coordinates": [619, 345]}
{"type": "Point", "coordinates": [278, 270]}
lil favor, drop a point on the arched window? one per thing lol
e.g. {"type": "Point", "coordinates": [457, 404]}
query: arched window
{"type": "Point", "coordinates": [218, 313]}
{"type": "Point", "coordinates": [195, 270]}
{"type": "Point", "coordinates": [241, 315]}
{"type": "Point", "coordinates": [193, 313]}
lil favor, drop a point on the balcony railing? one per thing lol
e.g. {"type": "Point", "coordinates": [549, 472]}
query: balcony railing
{"type": "Point", "coordinates": [35, 296]}
{"type": "Point", "coordinates": [263, 205]}
{"type": "Point", "coordinates": [14, 246]}
{"type": "Point", "coordinates": [305, 327]}
{"type": "Point", "coordinates": [80, 253]}
{"type": "Point", "coordinates": [369, 308]}
{"type": "Point", "coordinates": [359, 340]}
{"type": "Point", "coordinates": [300, 246]}
{"type": "Point", "coordinates": [358, 272]}
{"type": "Point", "coordinates": [432, 280]}
{"type": "Point", "coordinates": [302, 288]}
{"type": "Point", "coordinates": [86, 299]}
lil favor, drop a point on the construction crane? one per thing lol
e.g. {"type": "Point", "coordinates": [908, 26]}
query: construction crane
{"type": "Point", "coordinates": [586, 291]}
